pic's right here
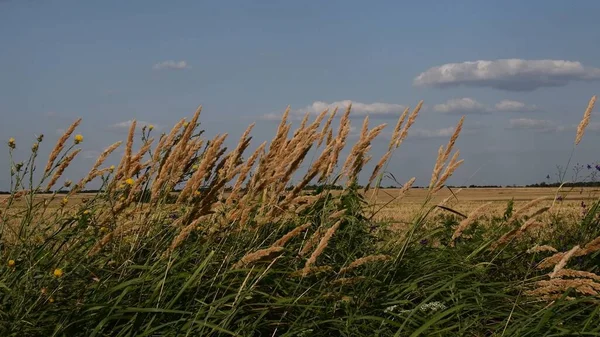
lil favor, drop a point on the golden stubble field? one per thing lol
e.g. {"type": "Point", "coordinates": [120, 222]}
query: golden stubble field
{"type": "Point", "coordinates": [390, 208]}
{"type": "Point", "coordinates": [466, 200]}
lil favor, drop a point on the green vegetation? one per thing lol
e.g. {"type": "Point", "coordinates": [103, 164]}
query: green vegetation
{"type": "Point", "coordinates": [267, 260]}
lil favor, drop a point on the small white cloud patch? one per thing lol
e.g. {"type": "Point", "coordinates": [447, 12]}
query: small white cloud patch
{"type": "Point", "coordinates": [376, 109]}
{"type": "Point", "coordinates": [467, 105]}
{"type": "Point", "coordinates": [170, 65]}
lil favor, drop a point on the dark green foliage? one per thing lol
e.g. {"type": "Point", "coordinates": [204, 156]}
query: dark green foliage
{"type": "Point", "coordinates": [425, 288]}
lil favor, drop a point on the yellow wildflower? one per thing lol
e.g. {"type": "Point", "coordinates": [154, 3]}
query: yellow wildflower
{"type": "Point", "coordinates": [103, 229]}
{"type": "Point", "coordinates": [64, 201]}
{"type": "Point", "coordinates": [111, 168]}
{"type": "Point", "coordinates": [195, 167]}
{"type": "Point", "coordinates": [11, 263]}
{"type": "Point", "coordinates": [11, 143]}
{"type": "Point", "coordinates": [130, 181]}
{"type": "Point", "coordinates": [150, 127]}
{"type": "Point", "coordinates": [51, 300]}
{"type": "Point", "coordinates": [78, 139]}
{"type": "Point", "coordinates": [196, 193]}
{"type": "Point", "coordinates": [87, 211]}
{"type": "Point", "coordinates": [57, 272]}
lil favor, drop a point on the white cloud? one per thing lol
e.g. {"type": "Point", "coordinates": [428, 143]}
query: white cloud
{"type": "Point", "coordinates": [358, 109]}
{"type": "Point", "coordinates": [468, 105]}
{"type": "Point", "coordinates": [541, 125]}
{"type": "Point", "coordinates": [170, 65]}
{"type": "Point", "coordinates": [463, 105]}
{"type": "Point", "coordinates": [375, 109]}
{"type": "Point", "coordinates": [514, 106]}
{"type": "Point", "coordinates": [127, 124]}
{"type": "Point", "coordinates": [507, 74]}
{"type": "Point", "coordinates": [90, 154]}
{"type": "Point", "coordinates": [437, 133]}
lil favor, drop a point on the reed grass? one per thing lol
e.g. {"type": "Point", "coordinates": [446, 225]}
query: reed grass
{"type": "Point", "coordinates": [188, 238]}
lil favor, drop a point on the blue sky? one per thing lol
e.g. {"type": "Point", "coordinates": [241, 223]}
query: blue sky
{"type": "Point", "coordinates": [245, 61]}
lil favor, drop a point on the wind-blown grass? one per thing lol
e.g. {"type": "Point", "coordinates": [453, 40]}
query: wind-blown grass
{"type": "Point", "coordinates": [244, 250]}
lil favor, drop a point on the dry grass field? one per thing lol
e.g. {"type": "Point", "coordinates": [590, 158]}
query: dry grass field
{"type": "Point", "coordinates": [401, 210]}
{"type": "Point", "coordinates": [260, 258]}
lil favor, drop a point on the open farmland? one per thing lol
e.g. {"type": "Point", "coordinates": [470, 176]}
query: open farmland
{"type": "Point", "coordinates": [261, 258]}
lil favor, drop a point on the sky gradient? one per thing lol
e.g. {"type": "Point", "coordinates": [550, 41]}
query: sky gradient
{"type": "Point", "coordinates": [521, 72]}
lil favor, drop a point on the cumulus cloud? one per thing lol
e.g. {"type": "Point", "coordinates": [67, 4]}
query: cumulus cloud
{"type": "Point", "coordinates": [90, 154]}
{"type": "Point", "coordinates": [514, 106]}
{"type": "Point", "coordinates": [170, 65]}
{"type": "Point", "coordinates": [507, 74]}
{"type": "Point", "coordinates": [436, 133]}
{"type": "Point", "coordinates": [468, 105]}
{"type": "Point", "coordinates": [359, 109]}
{"type": "Point", "coordinates": [127, 124]}
{"type": "Point", "coordinates": [463, 105]}
{"type": "Point", "coordinates": [540, 125]}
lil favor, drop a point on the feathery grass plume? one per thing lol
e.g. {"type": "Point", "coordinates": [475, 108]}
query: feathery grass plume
{"type": "Point", "coordinates": [554, 260]}
{"type": "Point", "coordinates": [540, 249]}
{"type": "Point", "coordinates": [450, 168]}
{"type": "Point", "coordinates": [290, 235]}
{"type": "Point", "coordinates": [395, 139]}
{"type": "Point", "coordinates": [310, 271]}
{"type": "Point", "coordinates": [127, 157]}
{"type": "Point", "coordinates": [465, 223]}
{"type": "Point", "coordinates": [583, 286]}
{"type": "Point", "coordinates": [357, 157]}
{"type": "Point", "coordinates": [183, 234]}
{"type": "Point", "coordinates": [585, 121]}
{"type": "Point", "coordinates": [363, 260]}
{"type": "Point", "coordinates": [378, 167]}
{"type": "Point", "coordinates": [337, 215]}
{"type": "Point", "coordinates": [123, 228]}
{"type": "Point", "coordinates": [443, 157]}
{"type": "Point", "coordinates": [326, 128]}
{"type": "Point", "coordinates": [94, 172]}
{"type": "Point", "coordinates": [208, 160]}
{"type": "Point", "coordinates": [320, 248]}
{"type": "Point", "coordinates": [348, 280]}
{"type": "Point", "coordinates": [519, 213]}
{"type": "Point", "coordinates": [592, 246]}
{"type": "Point", "coordinates": [359, 144]}
{"type": "Point", "coordinates": [256, 256]}
{"type": "Point", "coordinates": [234, 194]}
{"type": "Point", "coordinates": [61, 168]}
{"type": "Point", "coordinates": [242, 144]}
{"type": "Point", "coordinates": [409, 123]}
{"type": "Point", "coordinates": [166, 145]}
{"type": "Point", "coordinates": [60, 144]}
{"type": "Point", "coordinates": [393, 144]}
{"type": "Point", "coordinates": [136, 159]}
{"type": "Point", "coordinates": [516, 233]}
{"type": "Point", "coordinates": [312, 241]}
{"type": "Point", "coordinates": [317, 167]}
{"type": "Point", "coordinates": [576, 274]}
{"type": "Point", "coordinates": [338, 144]}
